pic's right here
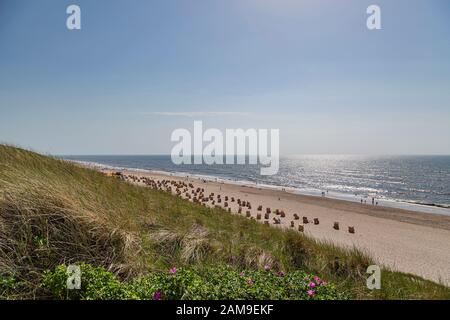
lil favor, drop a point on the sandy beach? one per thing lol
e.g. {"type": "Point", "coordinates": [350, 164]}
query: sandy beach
{"type": "Point", "coordinates": [411, 242]}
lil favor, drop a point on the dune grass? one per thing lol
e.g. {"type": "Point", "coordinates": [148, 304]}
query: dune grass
{"type": "Point", "coordinates": [53, 212]}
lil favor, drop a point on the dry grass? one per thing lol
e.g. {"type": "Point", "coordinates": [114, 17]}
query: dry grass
{"type": "Point", "coordinates": [192, 246]}
{"type": "Point", "coordinates": [48, 218]}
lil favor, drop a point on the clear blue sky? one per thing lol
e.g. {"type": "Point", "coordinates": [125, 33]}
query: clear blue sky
{"type": "Point", "coordinates": [139, 69]}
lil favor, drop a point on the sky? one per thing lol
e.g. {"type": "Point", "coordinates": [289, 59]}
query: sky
{"type": "Point", "coordinates": [137, 70]}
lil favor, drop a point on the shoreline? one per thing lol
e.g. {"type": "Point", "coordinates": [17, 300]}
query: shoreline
{"type": "Point", "coordinates": [398, 239]}
{"type": "Point", "coordinates": [406, 205]}
{"type": "Point", "coordinates": [392, 213]}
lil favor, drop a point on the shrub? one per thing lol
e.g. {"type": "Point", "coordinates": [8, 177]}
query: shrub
{"type": "Point", "coordinates": [96, 284]}
{"type": "Point", "coordinates": [9, 286]}
{"type": "Point", "coordinates": [211, 283]}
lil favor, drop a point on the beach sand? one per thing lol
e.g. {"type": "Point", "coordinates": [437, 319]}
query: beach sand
{"type": "Point", "coordinates": [401, 240]}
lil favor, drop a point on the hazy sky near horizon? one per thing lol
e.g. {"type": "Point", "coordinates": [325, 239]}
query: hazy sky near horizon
{"type": "Point", "coordinates": [139, 69]}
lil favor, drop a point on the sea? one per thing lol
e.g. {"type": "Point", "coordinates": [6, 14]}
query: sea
{"type": "Point", "coordinates": [418, 183]}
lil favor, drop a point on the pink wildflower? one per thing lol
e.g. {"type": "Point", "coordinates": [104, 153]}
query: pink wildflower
{"type": "Point", "coordinates": [156, 295]}
{"type": "Point", "coordinates": [280, 274]}
{"type": "Point", "coordinates": [250, 282]}
{"type": "Point", "coordinates": [173, 270]}
{"type": "Point", "coordinates": [266, 268]}
{"type": "Point", "coordinates": [310, 293]}
{"type": "Point", "coordinates": [311, 284]}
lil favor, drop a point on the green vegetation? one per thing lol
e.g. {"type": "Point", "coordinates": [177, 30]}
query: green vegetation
{"type": "Point", "coordinates": [54, 213]}
{"type": "Point", "coordinates": [195, 283]}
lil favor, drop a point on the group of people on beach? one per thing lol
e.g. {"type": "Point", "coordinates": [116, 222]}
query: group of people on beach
{"type": "Point", "coordinates": [374, 203]}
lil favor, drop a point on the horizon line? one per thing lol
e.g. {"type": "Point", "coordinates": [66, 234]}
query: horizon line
{"type": "Point", "coordinates": [281, 156]}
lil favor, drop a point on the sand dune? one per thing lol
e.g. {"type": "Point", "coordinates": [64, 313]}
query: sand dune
{"type": "Point", "coordinates": [405, 241]}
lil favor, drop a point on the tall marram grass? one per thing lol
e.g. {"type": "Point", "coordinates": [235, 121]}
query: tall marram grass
{"type": "Point", "coordinates": [53, 212]}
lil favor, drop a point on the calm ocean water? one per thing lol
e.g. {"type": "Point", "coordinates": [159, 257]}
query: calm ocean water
{"type": "Point", "coordinates": [420, 183]}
